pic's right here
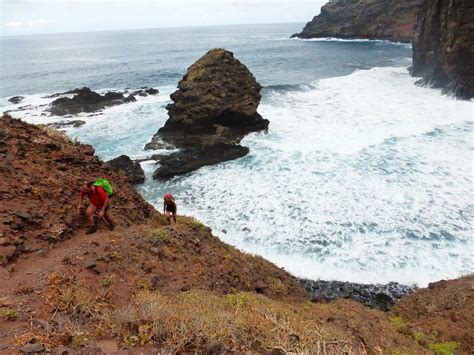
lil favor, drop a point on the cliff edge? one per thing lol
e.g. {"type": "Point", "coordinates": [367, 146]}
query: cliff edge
{"type": "Point", "coordinates": [370, 19]}
{"type": "Point", "coordinates": [443, 49]}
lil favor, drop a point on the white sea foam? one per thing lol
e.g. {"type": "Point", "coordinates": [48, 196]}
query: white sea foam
{"type": "Point", "coordinates": [364, 178]}
{"type": "Point", "coordinates": [355, 40]}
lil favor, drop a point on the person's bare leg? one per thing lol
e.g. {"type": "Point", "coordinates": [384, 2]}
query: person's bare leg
{"type": "Point", "coordinates": [174, 217]}
{"type": "Point", "coordinates": [90, 214]}
{"type": "Point", "coordinates": [90, 218]}
{"type": "Point", "coordinates": [109, 219]}
{"type": "Point", "coordinates": [167, 213]}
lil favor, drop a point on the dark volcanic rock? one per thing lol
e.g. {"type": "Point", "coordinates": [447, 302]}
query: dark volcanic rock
{"type": "Point", "coordinates": [65, 124]}
{"type": "Point", "coordinates": [382, 297]}
{"type": "Point", "coordinates": [131, 168]}
{"type": "Point", "coordinates": [214, 107]}
{"type": "Point", "coordinates": [443, 49]}
{"type": "Point", "coordinates": [86, 100]}
{"type": "Point", "coordinates": [371, 19]}
{"type": "Point", "coordinates": [16, 99]}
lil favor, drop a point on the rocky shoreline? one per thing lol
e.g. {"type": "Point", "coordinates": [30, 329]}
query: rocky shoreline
{"type": "Point", "coordinates": [378, 296]}
{"type": "Point", "coordinates": [354, 19]}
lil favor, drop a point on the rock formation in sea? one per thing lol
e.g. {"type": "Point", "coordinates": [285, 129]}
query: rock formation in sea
{"type": "Point", "coordinates": [130, 168]}
{"type": "Point", "coordinates": [371, 19]}
{"type": "Point", "coordinates": [86, 100]}
{"type": "Point", "coordinates": [443, 49]}
{"type": "Point", "coordinates": [214, 107]}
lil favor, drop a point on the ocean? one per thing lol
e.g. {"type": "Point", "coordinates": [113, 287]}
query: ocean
{"type": "Point", "coordinates": [362, 176]}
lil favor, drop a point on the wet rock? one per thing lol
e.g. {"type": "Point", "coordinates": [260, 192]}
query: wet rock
{"type": "Point", "coordinates": [85, 100]}
{"type": "Point", "coordinates": [66, 124]}
{"type": "Point", "coordinates": [371, 19]}
{"type": "Point", "coordinates": [130, 168]}
{"type": "Point", "coordinates": [214, 107]}
{"type": "Point", "coordinates": [443, 48]}
{"type": "Point", "coordinates": [16, 99]}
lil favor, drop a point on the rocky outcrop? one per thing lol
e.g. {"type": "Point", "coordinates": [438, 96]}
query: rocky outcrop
{"type": "Point", "coordinates": [371, 19]}
{"type": "Point", "coordinates": [379, 296]}
{"type": "Point", "coordinates": [443, 49]}
{"type": "Point", "coordinates": [87, 100]}
{"type": "Point", "coordinates": [214, 107]}
{"type": "Point", "coordinates": [130, 168]}
{"type": "Point", "coordinates": [41, 173]}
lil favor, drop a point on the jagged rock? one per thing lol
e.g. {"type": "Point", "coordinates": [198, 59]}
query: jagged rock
{"type": "Point", "coordinates": [371, 19]}
{"type": "Point", "coordinates": [86, 100]}
{"type": "Point", "coordinates": [16, 99]}
{"type": "Point", "coordinates": [214, 107]}
{"type": "Point", "coordinates": [443, 49]}
{"type": "Point", "coordinates": [381, 297]}
{"type": "Point", "coordinates": [131, 168]}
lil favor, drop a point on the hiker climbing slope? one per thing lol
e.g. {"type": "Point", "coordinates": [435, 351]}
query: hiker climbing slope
{"type": "Point", "coordinates": [99, 193]}
{"type": "Point", "coordinates": [169, 207]}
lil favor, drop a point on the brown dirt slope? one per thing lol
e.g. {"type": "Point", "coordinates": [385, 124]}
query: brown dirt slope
{"type": "Point", "coordinates": [145, 286]}
{"type": "Point", "coordinates": [443, 313]}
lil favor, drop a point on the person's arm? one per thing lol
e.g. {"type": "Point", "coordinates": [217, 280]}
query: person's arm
{"type": "Point", "coordinates": [79, 204]}
{"type": "Point", "coordinates": [164, 207]}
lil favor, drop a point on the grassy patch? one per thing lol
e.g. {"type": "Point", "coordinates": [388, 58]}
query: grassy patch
{"type": "Point", "coordinates": [399, 324]}
{"type": "Point", "coordinates": [159, 235]}
{"type": "Point", "coordinates": [106, 282]}
{"type": "Point", "coordinates": [447, 348]}
{"type": "Point", "coordinates": [8, 313]}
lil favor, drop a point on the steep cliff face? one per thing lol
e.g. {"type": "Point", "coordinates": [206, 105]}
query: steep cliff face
{"type": "Point", "coordinates": [443, 49]}
{"type": "Point", "coordinates": [371, 19]}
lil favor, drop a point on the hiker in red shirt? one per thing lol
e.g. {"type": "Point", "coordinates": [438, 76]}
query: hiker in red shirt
{"type": "Point", "coordinates": [169, 208]}
{"type": "Point", "coordinates": [98, 200]}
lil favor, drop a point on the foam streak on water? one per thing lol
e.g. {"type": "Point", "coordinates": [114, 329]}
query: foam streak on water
{"type": "Point", "coordinates": [364, 178]}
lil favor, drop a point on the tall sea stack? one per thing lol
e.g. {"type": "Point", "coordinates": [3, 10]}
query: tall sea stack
{"type": "Point", "coordinates": [370, 19]}
{"type": "Point", "coordinates": [214, 107]}
{"type": "Point", "coordinates": [443, 49]}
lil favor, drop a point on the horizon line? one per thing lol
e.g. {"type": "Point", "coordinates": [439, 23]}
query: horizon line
{"type": "Point", "coordinates": [146, 28]}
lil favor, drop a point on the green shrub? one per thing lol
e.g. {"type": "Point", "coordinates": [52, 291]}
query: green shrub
{"type": "Point", "coordinates": [447, 348]}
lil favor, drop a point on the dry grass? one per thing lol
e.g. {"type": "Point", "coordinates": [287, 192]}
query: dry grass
{"type": "Point", "coordinates": [53, 134]}
{"type": "Point", "coordinates": [191, 321]}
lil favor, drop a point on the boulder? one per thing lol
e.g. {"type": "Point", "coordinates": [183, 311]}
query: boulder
{"type": "Point", "coordinates": [129, 167]}
{"type": "Point", "coordinates": [371, 19]}
{"type": "Point", "coordinates": [443, 48]}
{"type": "Point", "coordinates": [214, 107]}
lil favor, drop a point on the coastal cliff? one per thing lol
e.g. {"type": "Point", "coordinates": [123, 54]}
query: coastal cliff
{"type": "Point", "coordinates": [370, 19]}
{"type": "Point", "coordinates": [443, 48]}
{"type": "Point", "coordinates": [148, 287]}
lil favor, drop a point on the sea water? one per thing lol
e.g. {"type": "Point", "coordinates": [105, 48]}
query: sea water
{"type": "Point", "coordinates": [362, 176]}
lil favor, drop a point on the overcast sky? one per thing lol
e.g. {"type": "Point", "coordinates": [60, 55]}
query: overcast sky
{"type": "Point", "coordinates": [50, 16]}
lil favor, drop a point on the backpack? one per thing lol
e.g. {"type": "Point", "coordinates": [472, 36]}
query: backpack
{"type": "Point", "coordinates": [105, 185]}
